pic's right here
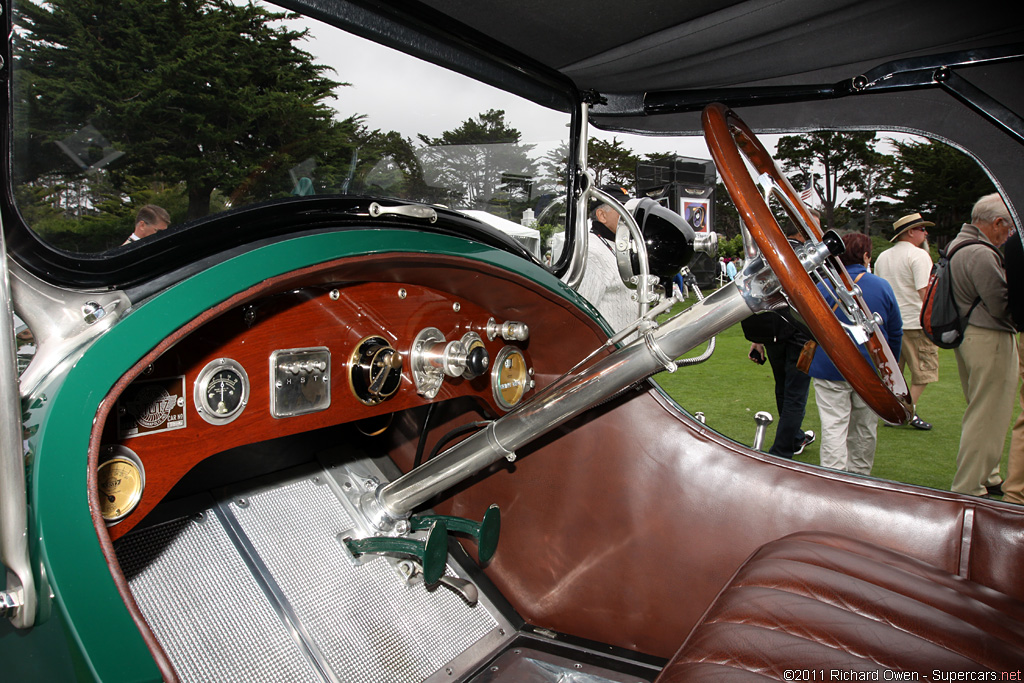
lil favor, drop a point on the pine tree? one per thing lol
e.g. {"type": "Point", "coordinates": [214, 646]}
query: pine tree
{"type": "Point", "coordinates": [207, 93]}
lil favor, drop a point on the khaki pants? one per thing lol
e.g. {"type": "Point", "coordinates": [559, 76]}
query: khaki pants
{"type": "Point", "coordinates": [988, 366]}
{"type": "Point", "coordinates": [849, 428]}
{"type": "Point", "coordinates": [1013, 487]}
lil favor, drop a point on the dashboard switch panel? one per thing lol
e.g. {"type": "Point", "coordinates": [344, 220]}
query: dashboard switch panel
{"type": "Point", "coordinates": [300, 381]}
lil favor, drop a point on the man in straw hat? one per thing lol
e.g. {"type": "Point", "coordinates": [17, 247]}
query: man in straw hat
{"type": "Point", "coordinates": [907, 267]}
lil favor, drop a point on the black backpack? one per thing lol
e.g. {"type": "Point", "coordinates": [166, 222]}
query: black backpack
{"type": "Point", "coordinates": [940, 318]}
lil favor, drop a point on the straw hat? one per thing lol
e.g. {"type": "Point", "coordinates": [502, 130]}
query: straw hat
{"type": "Point", "coordinates": [914, 220]}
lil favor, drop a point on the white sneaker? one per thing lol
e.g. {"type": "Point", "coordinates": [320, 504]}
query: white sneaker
{"type": "Point", "coordinates": [808, 440]}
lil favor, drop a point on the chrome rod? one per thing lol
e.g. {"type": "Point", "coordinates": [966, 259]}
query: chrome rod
{"type": "Point", "coordinates": [563, 401]}
{"type": "Point", "coordinates": [19, 597]}
{"type": "Point", "coordinates": [578, 259]}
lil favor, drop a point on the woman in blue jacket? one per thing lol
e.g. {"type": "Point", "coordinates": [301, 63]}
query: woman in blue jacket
{"type": "Point", "coordinates": [849, 428]}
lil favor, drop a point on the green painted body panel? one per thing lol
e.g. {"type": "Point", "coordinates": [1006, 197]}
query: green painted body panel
{"type": "Point", "coordinates": [87, 619]}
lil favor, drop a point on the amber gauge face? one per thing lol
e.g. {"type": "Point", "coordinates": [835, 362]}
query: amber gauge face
{"type": "Point", "coordinates": [510, 377]}
{"type": "Point", "coordinates": [121, 481]}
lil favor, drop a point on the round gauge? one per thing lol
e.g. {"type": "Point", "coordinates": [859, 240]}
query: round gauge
{"type": "Point", "coordinates": [510, 378]}
{"type": "Point", "coordinates": [221, 391]}
{"type": "Point", "coordinates": [120, 480]}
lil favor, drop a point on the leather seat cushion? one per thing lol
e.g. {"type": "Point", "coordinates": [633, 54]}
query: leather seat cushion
{"type": "Point", "coordinates": [813, 602]}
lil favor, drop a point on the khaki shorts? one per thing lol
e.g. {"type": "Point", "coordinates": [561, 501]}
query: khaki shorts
{"type": "Point", "coordinates": [921, 355]}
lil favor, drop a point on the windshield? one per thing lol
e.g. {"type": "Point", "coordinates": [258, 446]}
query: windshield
{"type": "Point", "coordinates": [132, 117]}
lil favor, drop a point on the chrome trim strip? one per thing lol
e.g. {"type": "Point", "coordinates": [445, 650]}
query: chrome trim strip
{"type": "Point", "coordinates": [20, 597]}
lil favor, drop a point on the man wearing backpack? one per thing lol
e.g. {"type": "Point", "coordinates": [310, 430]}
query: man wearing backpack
{"type": "Point", "coordinates": [987, 357]}
{"type": "Point", "coordinates": [907, 267]}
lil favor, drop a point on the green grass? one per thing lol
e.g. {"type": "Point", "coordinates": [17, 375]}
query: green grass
{"type": "Point", "coordinates": [729, 389]}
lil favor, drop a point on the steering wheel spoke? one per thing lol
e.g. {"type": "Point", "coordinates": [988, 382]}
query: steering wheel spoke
{"type": "Point", "coordinates": [752, 178]}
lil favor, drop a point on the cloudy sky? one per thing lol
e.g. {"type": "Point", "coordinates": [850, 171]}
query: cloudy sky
{"type": "Point", "coordinates": [402, 93]}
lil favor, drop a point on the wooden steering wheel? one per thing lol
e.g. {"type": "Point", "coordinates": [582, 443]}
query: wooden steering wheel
{"type": "Point", "coordinates": [882, 387]}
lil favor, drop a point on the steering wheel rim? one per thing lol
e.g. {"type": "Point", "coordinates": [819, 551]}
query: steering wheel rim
{"type": "Point", "coordinates": [882, 386]}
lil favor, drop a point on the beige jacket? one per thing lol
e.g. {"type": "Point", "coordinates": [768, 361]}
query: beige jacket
{"type": "Point", "coordinates": [978, 271]}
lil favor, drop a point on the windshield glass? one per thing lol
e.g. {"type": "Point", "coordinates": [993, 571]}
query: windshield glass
{"type": "Point", "coordinates": [132, 116]}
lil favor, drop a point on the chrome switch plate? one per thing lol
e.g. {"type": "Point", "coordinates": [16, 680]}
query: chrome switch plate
{"type": "Point", "coordinates": [300, 381]}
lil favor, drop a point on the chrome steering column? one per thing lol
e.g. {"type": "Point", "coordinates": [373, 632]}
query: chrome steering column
{"type": "Point", "coordinates": [756, 289]}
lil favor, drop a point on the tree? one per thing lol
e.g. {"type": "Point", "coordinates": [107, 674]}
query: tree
{"type": "Point", "coordinates": [939, 182]}
{"type": "Point", "coordinates": [611, 162]}
{"type": "Point", "coordinates": [202, 108]}
{"type": "Point", "coordinates": [554, 168]}
{"type": "Point", "coordinates": [727, 218]}
{"type": "Point", "coordinates": [480, 164]}
{"type": "Point", "coordinates": [835, 160]}
{"type": "Point", "coordinates": [874, 188]}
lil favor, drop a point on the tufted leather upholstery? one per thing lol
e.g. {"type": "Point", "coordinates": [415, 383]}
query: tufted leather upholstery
{"type": "Point", "coordinates": [819, 601]}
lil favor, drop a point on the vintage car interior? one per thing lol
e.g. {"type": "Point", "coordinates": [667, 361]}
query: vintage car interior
{"type": "Point", "coordinates": [356, 438]}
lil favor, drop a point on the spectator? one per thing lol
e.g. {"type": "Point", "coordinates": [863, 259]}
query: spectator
{"type": "Point", "coordinates": [1013, 487]}
{"type": "Point", "coordinates": [601, 284]}
{"type": "Point", "coordinates": [907, 266]}
{"type": "Point", "coordinates": [730, 270]}
{"type": "Point", "coordinates": [987, 357]}
{"type": "Point", "coordinates": [150, 220]}
{"type": "Point", "coordinates": [776, 336]}
{"type": "Point", "coordinates": [849, 428]}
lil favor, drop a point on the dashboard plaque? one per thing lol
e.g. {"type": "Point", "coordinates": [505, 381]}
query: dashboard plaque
{"type": "Point", "coordinates": [151, 406]}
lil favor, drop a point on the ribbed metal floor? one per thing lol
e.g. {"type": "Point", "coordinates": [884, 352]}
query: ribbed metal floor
{"type": "Point", "coordinates": [258, 588]}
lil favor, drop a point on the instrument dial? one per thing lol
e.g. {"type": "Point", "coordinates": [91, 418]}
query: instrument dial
{"type": "Point", "coordinates": [221, 391]}
{"type": "Point", "coordinates": [121, 480]}
{"type": "Point", "coordinates": [510, 377]}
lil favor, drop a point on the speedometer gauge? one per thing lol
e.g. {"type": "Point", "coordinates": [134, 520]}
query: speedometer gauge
{"type": "Point", "coordinates": [121, 480]}
{"type": "Point", "coordinates": [510, 377]}
{"type": "Point", "coordinates": [221, 391]}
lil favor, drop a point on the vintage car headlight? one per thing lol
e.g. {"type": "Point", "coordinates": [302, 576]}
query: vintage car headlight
{"type": "Point", "coordinates": [667, 236]}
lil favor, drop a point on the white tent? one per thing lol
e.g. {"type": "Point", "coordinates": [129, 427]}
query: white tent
{"type": "Point", "coordinates": [528, 237]}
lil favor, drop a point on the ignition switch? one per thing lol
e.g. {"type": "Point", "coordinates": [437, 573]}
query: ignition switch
{"type": "Point", "coordinates": [375, 370]}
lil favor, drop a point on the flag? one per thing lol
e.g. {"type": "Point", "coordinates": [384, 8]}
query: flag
{"type": "Point", "coordinates": [803, 183]}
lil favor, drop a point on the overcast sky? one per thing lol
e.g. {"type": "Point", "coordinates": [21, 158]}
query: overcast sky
{"type": "Point", "coordinates": [401, 93]}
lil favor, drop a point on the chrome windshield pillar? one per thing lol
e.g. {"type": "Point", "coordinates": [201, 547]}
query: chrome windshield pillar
{"type": "Point", "coordinates": [18, 599]}
{"type": "Point", "coordinates": [581, 196]}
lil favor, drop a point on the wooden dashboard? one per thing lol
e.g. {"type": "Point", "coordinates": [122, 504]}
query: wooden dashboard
{"type": "Point", "coordinates": [155, 416]}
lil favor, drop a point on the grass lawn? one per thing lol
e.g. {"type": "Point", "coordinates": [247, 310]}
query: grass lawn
{"type": "Point", "coordinates": [729, 389]}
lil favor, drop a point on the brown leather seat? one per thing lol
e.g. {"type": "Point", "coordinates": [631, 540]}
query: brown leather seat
{"type": "Point", "coordinates": [817, 602]}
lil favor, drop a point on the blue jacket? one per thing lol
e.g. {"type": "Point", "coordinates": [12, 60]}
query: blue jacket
{"type": "Point", "coordinates": [880, 299]}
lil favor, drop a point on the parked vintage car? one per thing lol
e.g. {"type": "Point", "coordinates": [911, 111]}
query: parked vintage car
{"type": "Point", "coordinates": [330, 426]}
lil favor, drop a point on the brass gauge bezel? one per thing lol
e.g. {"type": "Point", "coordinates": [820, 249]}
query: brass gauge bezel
{"type": "Point", "coordinates": [202, 384]}
{"type": "Point", "coordinates": [125, 502]}
{"type": "Point", "coordinates": [510, 377]}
